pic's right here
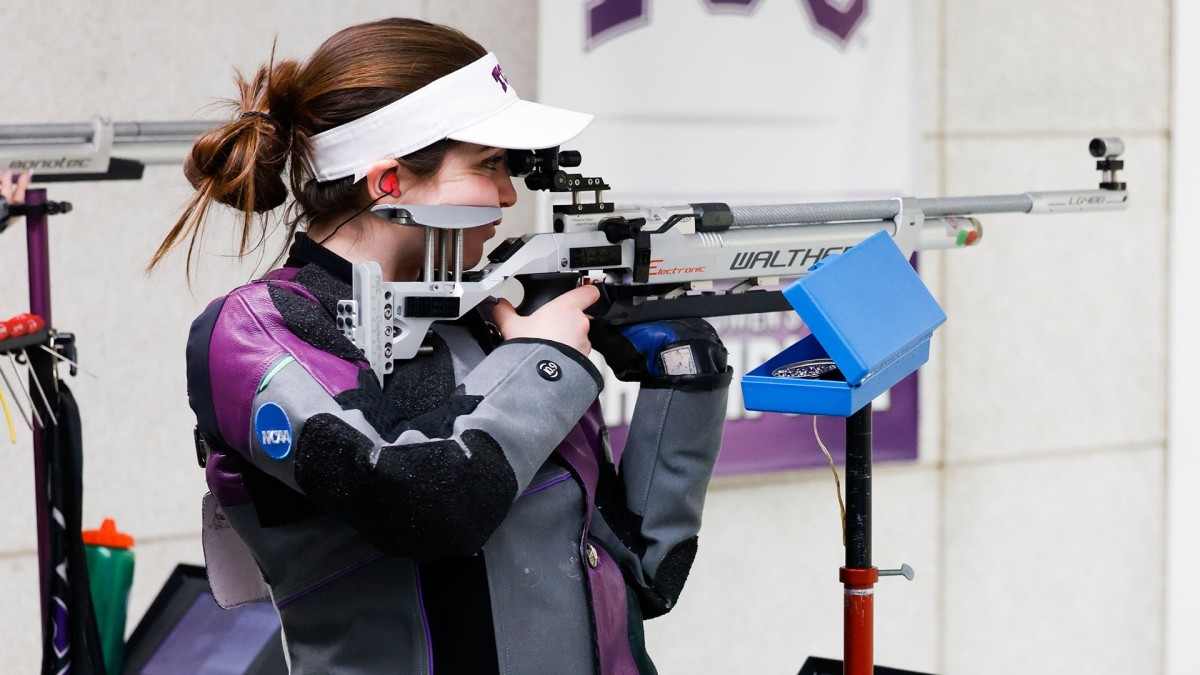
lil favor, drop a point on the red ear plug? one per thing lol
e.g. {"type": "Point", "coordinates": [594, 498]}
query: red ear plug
{"type": "Point", "coordinates": [390, 184]}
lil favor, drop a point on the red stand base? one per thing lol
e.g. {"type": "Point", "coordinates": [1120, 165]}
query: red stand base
{"type": "Point", "coordinates": [859, 618]}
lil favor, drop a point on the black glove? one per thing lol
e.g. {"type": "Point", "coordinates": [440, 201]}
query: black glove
{"type": "Point", "coordinates": [676, 353]}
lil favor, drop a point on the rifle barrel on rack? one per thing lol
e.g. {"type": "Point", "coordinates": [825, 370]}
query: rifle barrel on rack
{"type": "Point", "coordinates": [96, 150]}
{"type": "Point", "coordinates": [84, 132]}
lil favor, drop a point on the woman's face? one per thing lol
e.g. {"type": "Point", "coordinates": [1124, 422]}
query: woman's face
{"type": "Point", "coordinates": [470, 175]}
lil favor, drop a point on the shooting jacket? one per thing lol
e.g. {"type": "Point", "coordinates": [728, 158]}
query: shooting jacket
{"type": "Point", "coordinates": [466, 515]}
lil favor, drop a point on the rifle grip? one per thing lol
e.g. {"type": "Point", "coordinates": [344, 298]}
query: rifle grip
{"type": "Point", "coordinates": [542, 288]}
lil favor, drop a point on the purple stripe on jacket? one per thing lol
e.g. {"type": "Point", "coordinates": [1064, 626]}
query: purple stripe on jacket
{"type": "Point", "coordinates": [249, 337]}
{"type": "Point", "coordinates": [610, 612]}
{"type": "Point", "coordinates": [330, 579]}
{"type": "Point", "coordinates": [549, 483]}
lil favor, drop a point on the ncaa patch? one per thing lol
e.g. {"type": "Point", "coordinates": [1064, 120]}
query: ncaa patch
{"type": "Point", "coordinates": [273, 430]}
{"type": "Point", "coordinates": [549, 370]}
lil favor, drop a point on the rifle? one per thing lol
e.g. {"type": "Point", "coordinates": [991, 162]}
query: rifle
{"type": "Point", "coordinates": [661, 262]}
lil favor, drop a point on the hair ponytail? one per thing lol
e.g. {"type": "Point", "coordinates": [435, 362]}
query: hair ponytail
{"type": "Point", "coordinates": [241, 163]}
{"type": "Point", "coordinates": [355, 72]}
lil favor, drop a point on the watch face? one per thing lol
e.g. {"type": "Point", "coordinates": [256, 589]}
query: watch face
{"type": "Point", "coordinates": [812, 369]}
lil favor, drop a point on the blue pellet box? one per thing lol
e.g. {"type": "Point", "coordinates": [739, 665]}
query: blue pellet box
{"type": "Point", "coordinates": [870, 313]}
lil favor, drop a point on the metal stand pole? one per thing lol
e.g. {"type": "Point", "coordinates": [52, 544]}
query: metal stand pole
{"type": "Point", "coordinates": [37, 238]}
{"type": "Point", "coordinates": [858, 576]}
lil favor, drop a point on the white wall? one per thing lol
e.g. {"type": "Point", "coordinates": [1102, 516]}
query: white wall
{"type": "Point", "coordinates": [1183, 463]}
{"type": "Point", "coordinates": [1035, 516]}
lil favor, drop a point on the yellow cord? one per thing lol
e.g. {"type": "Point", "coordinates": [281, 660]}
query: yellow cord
{"type": "Point", "coordinates": [8, 417]}
{"type": "Point", "coordinates": [836, 480]}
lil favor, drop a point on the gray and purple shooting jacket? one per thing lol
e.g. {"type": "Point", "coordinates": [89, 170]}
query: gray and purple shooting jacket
{"type": "Point", "coordinates": [466, 516]}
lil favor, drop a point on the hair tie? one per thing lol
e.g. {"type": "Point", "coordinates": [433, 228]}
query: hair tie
{"type": "Point", "coordinates": [265, 116]}
{"type": "Point", "coordinates": [287, 131]}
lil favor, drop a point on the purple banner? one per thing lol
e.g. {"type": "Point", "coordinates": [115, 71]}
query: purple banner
{"type": "Point", "coordinates": [606, 19]}
{"type": "Point", "coordinates": [778, 442]}
{"type": "Point", "coordinates": [757, 442]}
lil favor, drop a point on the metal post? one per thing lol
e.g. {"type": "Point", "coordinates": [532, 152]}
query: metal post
{"type": "Point", "coordinates": [859, 576]}
{"type": "Point", "coordinates": [458, 256]}
{"type": "Point", "coordinates": [430, 250]}
{"type": "Point", "coordinates": [444, 264]}
{"type": "Point", "coordinates": [37, 237]}
{"type": "Point", "coordinates": [858, 489]}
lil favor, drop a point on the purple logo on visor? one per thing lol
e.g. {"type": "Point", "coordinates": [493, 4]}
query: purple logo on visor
{"type": "Point", "coordinates": [609, 18]}
{"type": "Point", "coordinates": [498, 75]}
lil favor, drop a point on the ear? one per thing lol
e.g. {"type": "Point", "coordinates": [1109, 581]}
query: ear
{"type": "Point", "coordinates": [386, 178]}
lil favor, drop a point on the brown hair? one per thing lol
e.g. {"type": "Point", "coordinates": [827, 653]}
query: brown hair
{"type": "Point", "coordinates": [355, 72]}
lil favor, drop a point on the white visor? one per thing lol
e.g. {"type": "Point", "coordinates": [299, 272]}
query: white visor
{"type": "Point", "coordinates": [474, 104]}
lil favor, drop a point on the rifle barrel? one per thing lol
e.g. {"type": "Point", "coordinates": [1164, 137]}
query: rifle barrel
{"type": "Point", "coordinates": [876, 209]}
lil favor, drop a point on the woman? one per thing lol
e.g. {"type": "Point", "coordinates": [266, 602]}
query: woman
{"type": "Point", "coordinates": [465, 516]}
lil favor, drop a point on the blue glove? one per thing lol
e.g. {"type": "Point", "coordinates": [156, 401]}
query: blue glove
{"type": "Point", "coordinates": [679, 353]}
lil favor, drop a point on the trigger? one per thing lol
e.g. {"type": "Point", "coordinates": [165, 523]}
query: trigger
{"type": "Point", "coordinates": [599, 308]}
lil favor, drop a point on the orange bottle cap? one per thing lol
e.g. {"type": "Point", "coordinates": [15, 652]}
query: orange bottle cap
{"type": "Point", "coordinates": [108, 536]}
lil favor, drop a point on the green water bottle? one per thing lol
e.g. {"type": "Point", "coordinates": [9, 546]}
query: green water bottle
{"type": "Point", "coordinates": [110, 572]}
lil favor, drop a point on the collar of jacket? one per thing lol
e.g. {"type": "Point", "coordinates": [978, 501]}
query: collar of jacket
{"type": "Point", "coordinates": [304, 251]}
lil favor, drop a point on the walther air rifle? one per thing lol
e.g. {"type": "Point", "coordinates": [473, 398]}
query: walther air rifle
{"type": "Point", "coordinates": [695, 260]}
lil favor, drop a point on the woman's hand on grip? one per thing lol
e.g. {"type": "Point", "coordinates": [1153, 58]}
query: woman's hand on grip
{"type": "Point", "coordinates": [561, 320]}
